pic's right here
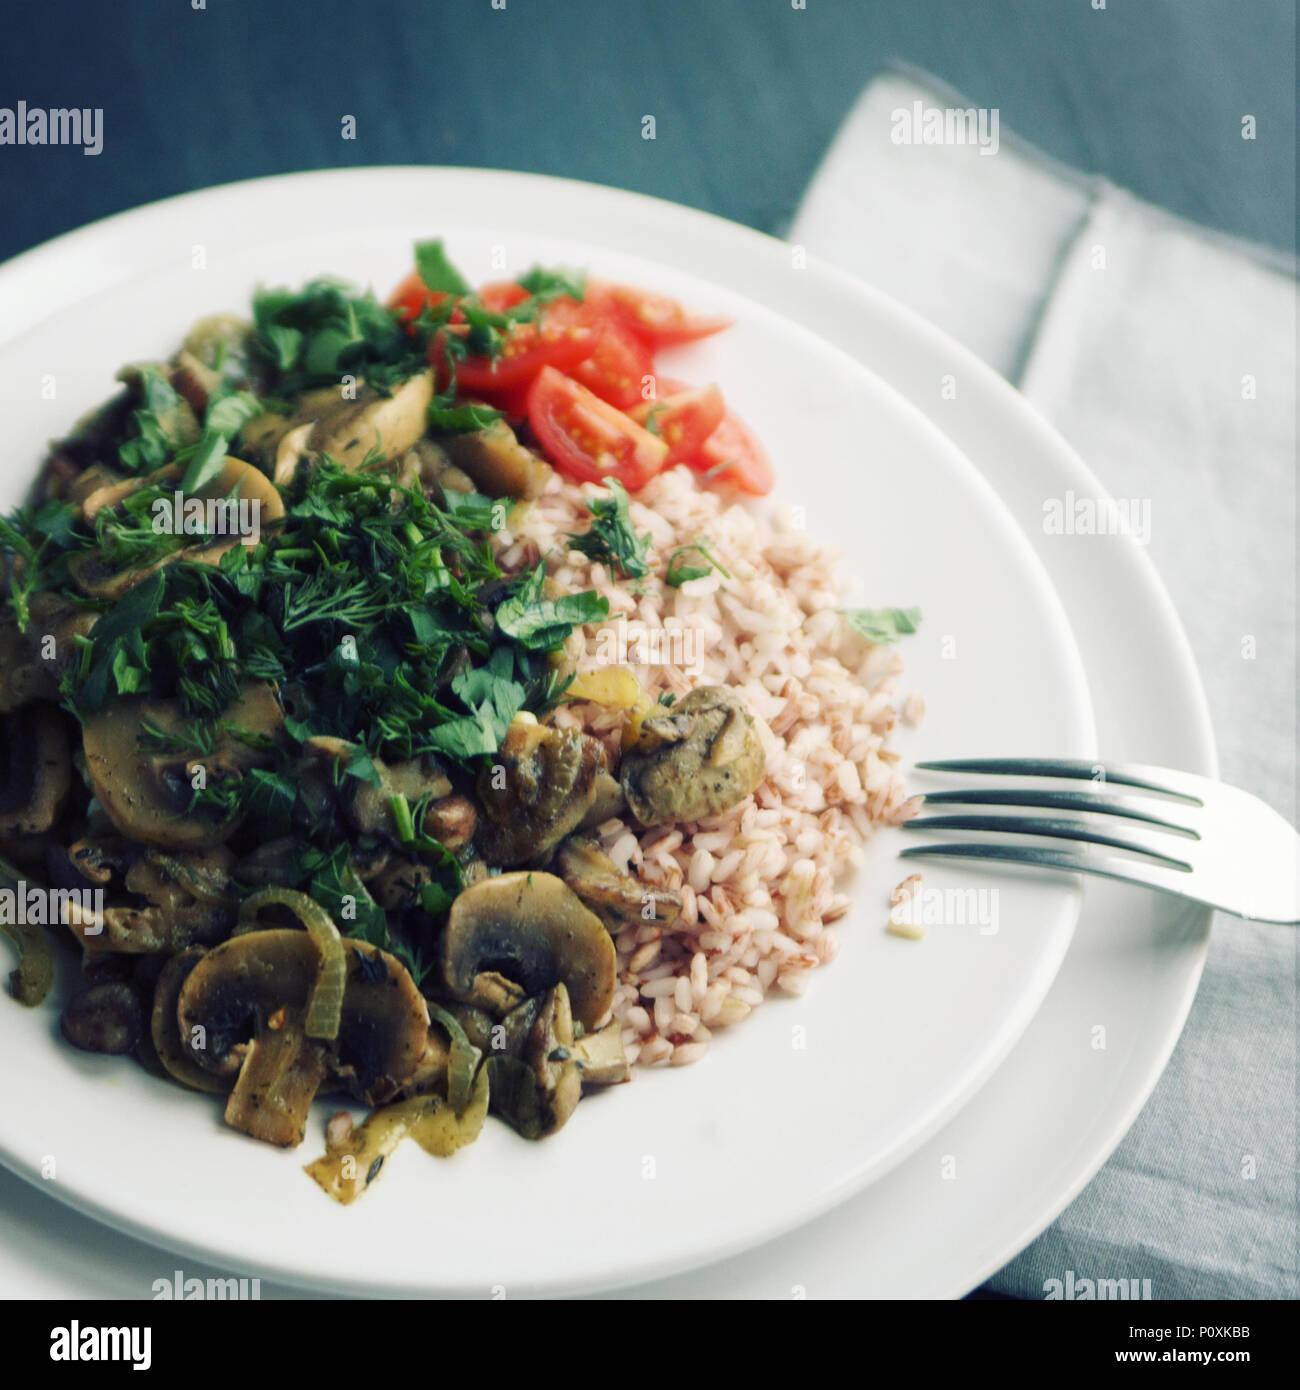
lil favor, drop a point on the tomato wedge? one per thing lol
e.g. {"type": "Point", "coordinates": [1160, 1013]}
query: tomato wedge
{"type": "Point", "coordinates": [733, 457]}
{"type": "Point", "coordinates": [616, 369]}
{"type": "Point", "coordinates": [502, 295]}
{"type": "Point", "coordinates": [561, 336]}
{"type": "Point", "coordinates": [587, 438]}
{"type": "Point", "coordinates": [654, 318]}
{"type": "Point", "coordinates": [684, 420]}
{"type": "Point", "coordinates": [408, 300]}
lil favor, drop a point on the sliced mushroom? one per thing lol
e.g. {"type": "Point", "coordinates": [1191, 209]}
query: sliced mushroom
{"type": "Point", "coordinates": [369, 807]}
{"type": "Point", "coordinates": [374, 424]}
{"type": "Point", "coordinates": [397, 887]}
{"type": "Point", "coordinates": [538, 788]}
{"type": "Point", "coordinates": [106, 1017]}
{"type": "Point", "coordinates": [429, 468]}
{"type": "Point", "coordinates": [35, 769]}
{"type": "Point", "coordinates": [600, 1056]}
{"type": "Point", "coordinates": [240, 1013]}
{"type": "Point", "coordinates": [216, 351]}
{"type": "Point", "coordinates": [221, 340]}
{"type": "Point", "coordinates": [518, 935]}
{"type": "Point", "coordinates": [698, 758]}
{"type": "Point", "coordinates": [536, 1093]}
{"type": "Point", "coordinates": [165, 1028]}
{"type": "Point", "coordinates": [275, 862]}
{"type": "Point", "coordinates": [290, 451]}
{"type": "Point", "coordinates": [99, 487]}
{"type": "Point", "coordinates": [236, 482]}
{"type": "Point", "coordinates": [498, 463]}
{"type": "Point", "coordinates": [188, 904]}
{"type": "Point", "coordinates": [146, 794]}
{"type": "Point", "coordinates": [173, 416]}
{"type": "Point", "coordinates": [615, 897]}
{"type": "Point", "coordinates": [94, 862]}
{"type": "Point", "coordinates": [493, 1036]}
{"type": "Point", "coordinates": [607, 802]}
{"type": "Point", "coordinates": [32, 663]}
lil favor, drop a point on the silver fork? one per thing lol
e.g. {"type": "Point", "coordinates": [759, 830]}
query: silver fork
{"type": "Point", "coordinates": [1203, 840]}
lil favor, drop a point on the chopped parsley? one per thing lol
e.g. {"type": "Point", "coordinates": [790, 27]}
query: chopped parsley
{"type": "Point", "coordinates": [883, 625]}
{"type": "Point", "coordinates": [437, 272]}
{"type": "Point", "coordinates": [611, 538]}
{"type": "Point", "coordinates": [681, 570]}
{"type": "Point", "coordinates": [542, 624]}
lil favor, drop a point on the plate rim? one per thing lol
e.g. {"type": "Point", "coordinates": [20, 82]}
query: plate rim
{"type": "Point", "coordinates": [851, 286]}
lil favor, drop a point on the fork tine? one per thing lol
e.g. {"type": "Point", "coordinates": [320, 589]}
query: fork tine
{"type": "Point", "coordinates": [1036, 856]}
{"type": "Point", "coordinates": [1056, 801]}
{"type": "Point", "coordinates": [1059, 829]}
{"type": "Point", "coordinates": [1071, 768]}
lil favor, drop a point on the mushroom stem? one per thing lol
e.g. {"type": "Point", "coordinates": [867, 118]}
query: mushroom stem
{"type": "Point", "coordinates": [277, 1084]}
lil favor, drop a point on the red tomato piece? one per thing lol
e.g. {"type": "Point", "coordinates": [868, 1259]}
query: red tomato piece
{"type": "Point", "coordinates": [503, 295]}
{"type": "Point", "coordinates": [587, 438]}
{"type": "Point", "coordinates": [684, 420]}
{"type": "Point", "coordinates": [561, 337]}
{"type": "Point", "coordinates": [616, 369]}
{"type": "Point", "coordinates": [655, 318]}
{"type": "Point", "coordinates": [410, 297]}
{"type": "Point", "coordinates": [733, 457]}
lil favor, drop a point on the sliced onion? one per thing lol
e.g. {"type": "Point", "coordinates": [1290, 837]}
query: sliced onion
{"type": "Point", "coordinates": [463, 1062]}
{"type": "Point", "coordinates": [325, 1003]}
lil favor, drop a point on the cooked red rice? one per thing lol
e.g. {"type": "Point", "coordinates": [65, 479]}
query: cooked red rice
{"type": "Point", "coordinates": [759, 885]}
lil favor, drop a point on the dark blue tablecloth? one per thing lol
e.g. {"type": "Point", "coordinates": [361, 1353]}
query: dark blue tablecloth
{"type": "Point", "coordinates": [745, 93]}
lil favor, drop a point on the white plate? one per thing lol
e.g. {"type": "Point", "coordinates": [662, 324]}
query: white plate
{"type": "Point", "coordinates": [685, 1166]}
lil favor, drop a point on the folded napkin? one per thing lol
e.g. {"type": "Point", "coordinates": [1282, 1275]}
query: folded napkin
{"type": "Point", "coordinates": [1166, 354]}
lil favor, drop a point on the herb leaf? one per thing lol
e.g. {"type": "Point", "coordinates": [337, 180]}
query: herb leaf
{"type": "Point", "coordinates": [882, 625]}
{"type": "Point", "coordinates": [681, 571]}
{"type": "Point", "coordinates": [611, 538]}
{"type": "Point", "coordinates": [461, 419]}
{"type": "Point", "coordinates": [542, 624]}
{"type": "Point", "coordinates": [436, 270]}
{"type": "Point", "coordinates": [545, 285]}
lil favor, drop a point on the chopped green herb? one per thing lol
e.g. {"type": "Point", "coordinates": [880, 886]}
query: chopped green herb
{"type": "Point", "coordinates": [611, 538]}
{"type": "Point", "coordinates": [682, 571]}
{"type": "Point", "coordinates": [436, 270]}
{"type": "Point", "coordinates": [545, 285]}
{"type": "Point", "coordinates": [883, 624]}
{"type": "Point", "coordinates": [461, 419]}
{"type": "Point", "coordinates": [542, 624]}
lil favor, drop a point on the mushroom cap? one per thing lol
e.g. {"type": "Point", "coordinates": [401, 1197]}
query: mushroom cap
{"type": "Point", "coordinates": [36, 762]}
{"type": "Point", "coordinates": [539, 787]}
{"type": "Point", "coordinates": [698, 758]}
{"type": "Point", "coordinates": [520, 934]}
{"type": "Point", "coordinates": [232, 992]}
{"type": "Point", "coordinates": [147, 795]}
